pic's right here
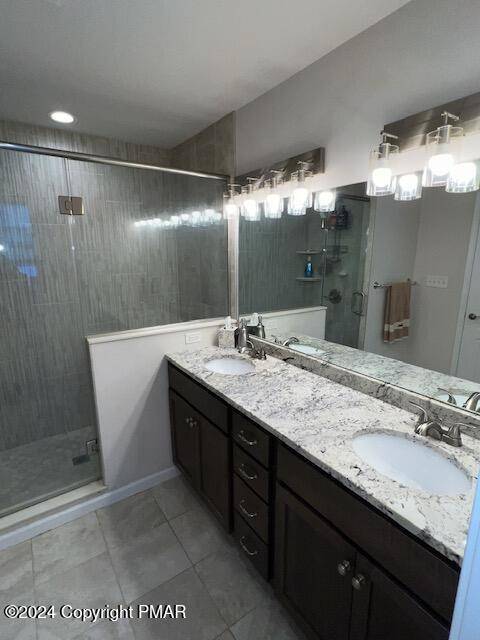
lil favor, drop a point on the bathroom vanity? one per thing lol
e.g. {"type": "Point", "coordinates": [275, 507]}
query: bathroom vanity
{"type": "Point", "coordinates": [351, 553]}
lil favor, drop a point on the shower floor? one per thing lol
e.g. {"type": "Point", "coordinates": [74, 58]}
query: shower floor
{"type": "Point", "coordinates": [43, 469]}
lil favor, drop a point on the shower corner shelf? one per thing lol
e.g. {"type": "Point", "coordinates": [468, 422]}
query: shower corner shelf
{"type": "Point", "coordinates": [311, 252]}
{"type": "Point", "coordinates": [312, 279]}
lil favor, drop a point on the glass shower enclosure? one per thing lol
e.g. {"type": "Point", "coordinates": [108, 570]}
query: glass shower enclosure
{"type": "Point", "coordinates": [122, 265]}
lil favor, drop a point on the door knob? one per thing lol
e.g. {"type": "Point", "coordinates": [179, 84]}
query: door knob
{"type": "Point", "coordinates": [344, 567]}
{"type": "Point", "coordinates": [472, 316]}
{"type": "Point", "coordinates": [358, 581]}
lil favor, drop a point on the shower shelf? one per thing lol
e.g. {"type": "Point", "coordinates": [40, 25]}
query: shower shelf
{"type": "Point", "coordinates": [312, 252]}
{"type": "Point", "coordinates": [312, 279]}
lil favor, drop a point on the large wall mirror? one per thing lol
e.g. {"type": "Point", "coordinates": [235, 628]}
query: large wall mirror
{"type": "Point", "coordinates": [329, 276]}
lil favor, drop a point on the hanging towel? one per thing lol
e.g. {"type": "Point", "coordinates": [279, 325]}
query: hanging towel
{"type": "Point", "coordinates": [397, 312]}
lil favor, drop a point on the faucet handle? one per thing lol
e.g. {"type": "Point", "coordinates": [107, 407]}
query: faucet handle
{"type": "Point", "coordinates": [454, 433]}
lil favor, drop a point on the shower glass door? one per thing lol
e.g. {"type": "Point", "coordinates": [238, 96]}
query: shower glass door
{"type": "Point", "coordinates": [46, 405]}
{"type": "Point", "coordinates": [122, 265]}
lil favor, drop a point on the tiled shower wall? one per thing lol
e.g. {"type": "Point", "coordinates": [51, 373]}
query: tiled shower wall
{"type": "Point", "coordinates": [63, 278]}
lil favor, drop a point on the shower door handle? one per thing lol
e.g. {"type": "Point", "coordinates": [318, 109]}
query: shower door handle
{"type": "Point", "coordinates": [355, 295]}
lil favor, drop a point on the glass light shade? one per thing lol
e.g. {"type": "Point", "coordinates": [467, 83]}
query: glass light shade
{"type": "Point", "coordinates": [443, 148]}
{"type": "Point", "coordinates": [463, 178]}
{"type": "Point", "coordinates": [250, 209]}
{"type": "Point", "coordinates": [230, 208]}
{"type": "Point", "coordinates": [299, 201]}
{"type": "Point", "coordinates": [196, 217]}
{"type": "Point", "coordinates": [409, 187]}
{"type": "Point", "coordinates": [174, 221]}
{"type": "Point", "coordinates": [381, 180]}
{"type": "Point", "coordinates": [324, 201]}
{"type": "Point", "coordinates": [273, 205]}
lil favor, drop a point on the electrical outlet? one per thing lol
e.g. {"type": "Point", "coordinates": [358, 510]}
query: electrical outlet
{"type": "Point", "coordinates": [440, 282]}
{"type": "Point", "coordinates": [191, 338]}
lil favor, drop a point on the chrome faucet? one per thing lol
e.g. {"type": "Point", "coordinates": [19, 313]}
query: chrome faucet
{"type": "Point", "coordinates": [429, 427]}
{"type": "Point", "coordinates": [290, 341]}
{"type": "Point", "coordinates": [473, 402]}
{"type": "Point", "coordinates": [249, 348]}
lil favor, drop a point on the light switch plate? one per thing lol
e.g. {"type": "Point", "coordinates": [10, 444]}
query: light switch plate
{"type": "Point", "coordinates": [191, 338]}
{"type": "Point", "coordinates": [437, 281]}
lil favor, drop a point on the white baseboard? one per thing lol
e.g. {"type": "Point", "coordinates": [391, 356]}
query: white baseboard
{"type": "Point", "coordinates": [54, 515]}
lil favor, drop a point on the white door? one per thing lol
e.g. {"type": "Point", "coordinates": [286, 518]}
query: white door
{"type": "Point", "coordinates": [469, 358]}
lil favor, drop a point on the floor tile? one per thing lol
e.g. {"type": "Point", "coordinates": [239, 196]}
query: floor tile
{"type": "Point", "coordinates": [267, 622]}
{"type": "Point", "coordinates": [91, 584]}
{"type": "Point", "coordinates": [16, 629]}
{"type": "Point", "coordinates": [226, 635]}
{"type": "Point", "coordinates": [202, 622]}
{"type": "Point", "coordinates": [65, 547]}
{"type": "Point", "coordinates": [175, 496]}
{"type": "Point", "coordinates": [16, 572]}
{"type": "Point", "coordinates": [234, 587]}
{"type": "Point", "coordinates": [199, 533]}
{"type": "Point", "coordinates": [106, 630]}
{"type": "Point", "coordinates": [148, 561]}
{"type": "Point", "coordinates": [16, 587]}
{"type": "Point", "coordinates": [130, 518]}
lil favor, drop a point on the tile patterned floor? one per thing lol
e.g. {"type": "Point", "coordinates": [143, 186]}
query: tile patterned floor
{"type": "Point", "coordinates": [157, 547]}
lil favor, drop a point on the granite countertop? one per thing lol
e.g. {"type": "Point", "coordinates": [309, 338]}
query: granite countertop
{"type": "Point", "coordinates": [319, 418]}
{"type": "Point", "coordinates": [401, 374]}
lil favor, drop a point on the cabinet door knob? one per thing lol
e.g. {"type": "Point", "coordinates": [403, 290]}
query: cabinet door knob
{"type": "Point", "coordinates": [358, 581]}
{"type": "Point", "coordinates": [344, 567]}
{"type": "Point", "coordinates": [243, 438]}
{"type": "Point", "coordinates": [191, 422]}
{"type": "Point", "coordinates": [472, 316]}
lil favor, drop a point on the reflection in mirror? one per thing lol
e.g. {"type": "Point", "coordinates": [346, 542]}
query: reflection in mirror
{"type": "Point", "coordinates": [328, 279]}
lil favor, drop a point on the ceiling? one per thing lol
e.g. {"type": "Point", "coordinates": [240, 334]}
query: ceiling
{"type": "Point", "coordinates": [159, 71]}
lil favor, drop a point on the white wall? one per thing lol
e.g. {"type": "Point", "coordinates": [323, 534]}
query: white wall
{"type": "Point", "coordinates": [131, 394]}
{"type": "Point", "coordinates": [395, 230]}
{"type": "Point", "coordinates": [309, 322]}
{"type": "Point", "coordinates": [424, 54]}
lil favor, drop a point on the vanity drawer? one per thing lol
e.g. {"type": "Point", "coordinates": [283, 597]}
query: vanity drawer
{"type": "Point", "coordinates": [251, 472]}
{"type": "Point", "coordinates": [251, 546]}
{"type": "Point", "coordinates": [210, 406]}
{"type": "Point", "coordinates": [251, 508]}
{"type": "Point", "coordinates": [251, 438]}
{"type": "Point", "coordinates": [420, 568]}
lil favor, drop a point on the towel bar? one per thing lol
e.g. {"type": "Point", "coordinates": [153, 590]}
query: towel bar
{"type": "Point", "coordinates": [377, 285]}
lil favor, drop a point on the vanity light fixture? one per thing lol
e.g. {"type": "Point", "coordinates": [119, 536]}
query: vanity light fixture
{"type": "Point", "coordinates": [442, 147]}
{"type": "Point", "coordinates": [62, 117]}
{"type": "Point", "coordinates": [324, 201]}
{"type": "Point", "coordinates": [249, 207]}
{"type": "Point", "coordinates": [273, 204]}
{"type": "Point", "coordinates": [409, 187]}
{"type": "Point", "coordinates": [463, 178]}
{"type": "Point", "coordinates": [301, 198]}
{"type": "Point", "coordinates": [230, 207]}
{"type": "Point", "coordinates": [381, 178]}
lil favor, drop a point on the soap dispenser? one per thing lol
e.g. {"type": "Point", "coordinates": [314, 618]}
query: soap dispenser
{"type": "Point", "coordinates": [309, 267]}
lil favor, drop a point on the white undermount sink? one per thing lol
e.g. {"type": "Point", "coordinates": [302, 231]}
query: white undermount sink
{"type": "Point", "coordinates": [411, 463]}
{"type": "Point", "coordinates": [230, 366]}
{"type": "Point", "coordinates": [306, 349]}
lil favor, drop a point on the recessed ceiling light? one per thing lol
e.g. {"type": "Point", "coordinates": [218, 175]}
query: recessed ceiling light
{"type": "Point", "coordinates": [62, 116]}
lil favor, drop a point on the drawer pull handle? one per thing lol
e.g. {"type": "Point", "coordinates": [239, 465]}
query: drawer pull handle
{"type": "Point", "coordinates": [344, 567]}
{"type": "Point", "coordinates": [191, 422]}
{"type": "Point", "coordinates": [245, 473]}
{"type": "Point", "coordinates": [246, 549]}
{"type": "Point", "coordinates": [243, 438]}
{"type": "Point", "coordinates": [358, 581]}
{"type": "Point", "coordinates": [247, 513]}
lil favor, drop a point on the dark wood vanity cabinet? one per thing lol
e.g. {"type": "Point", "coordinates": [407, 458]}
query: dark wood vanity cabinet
{"type": "Point", "coordinates": [202, 451]}
{"type": "Point", "coordinates": [343, 569]}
